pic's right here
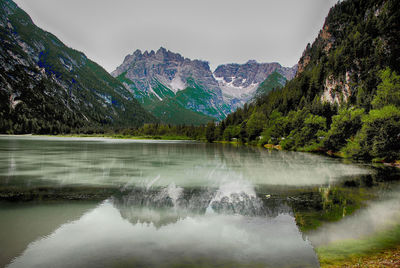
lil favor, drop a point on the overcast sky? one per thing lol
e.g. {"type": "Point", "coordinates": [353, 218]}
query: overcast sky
{"type": "Point", "coordinates": [219, 31]}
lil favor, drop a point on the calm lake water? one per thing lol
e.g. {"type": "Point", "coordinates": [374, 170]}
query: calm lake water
{"type": "Point", "coordinates": [74, 202]}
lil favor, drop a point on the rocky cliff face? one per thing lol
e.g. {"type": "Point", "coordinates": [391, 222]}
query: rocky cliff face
{"type": "Point", "coordinates": [171, 69]}
{"type": "Point", "coordinates": [356, 42]}
{"type": "Point", "coordinates": [155, 77]}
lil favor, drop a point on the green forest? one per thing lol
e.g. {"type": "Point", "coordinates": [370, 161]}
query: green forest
{"type": "Point", "coordinates": [362, 40]}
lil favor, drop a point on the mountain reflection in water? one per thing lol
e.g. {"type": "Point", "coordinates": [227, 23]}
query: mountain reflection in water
{"type": "Point", "coordinates": [115, 233]}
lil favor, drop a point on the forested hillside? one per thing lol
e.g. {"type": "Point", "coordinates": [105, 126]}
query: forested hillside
{"type": "Point", "coordinates": [47, 87]}
{"type": "Point", "coordinates": [345, 98]}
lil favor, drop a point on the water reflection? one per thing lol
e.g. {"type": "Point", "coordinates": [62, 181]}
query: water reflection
{"type": "Point", "coordinates": [52, 161]}
{"type": "Point", "coordinates": [103, 238]}
{"type": "Point", "coordinates": [146, 205]}
{"type": "Point", "coordinates": [20, 224]}
{"type": "Point", "coordinates": [378, 215]}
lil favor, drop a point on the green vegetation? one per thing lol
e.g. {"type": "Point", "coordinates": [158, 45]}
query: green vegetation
{"type": "Point", "coordinates": [327, 205]}
{"type": "Point", "coordinates": [151, 131]}
{"type": "Point", "coordinates": [171, 111]}
{"type": "Point", "coordinates": [357, 52]}
{"type": "Point", "coordinates": [273, 81]}
{"type": "Point", "coordinates": [210, 132]}
{"type": "Point", "coordinates": [319, 126]}
{"type": "Point", "coordinates": [337, 253]}
{"type": "Point", "coordinates": [379, 137]}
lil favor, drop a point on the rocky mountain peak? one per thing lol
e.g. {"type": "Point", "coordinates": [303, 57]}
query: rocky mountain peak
{"type": "Point", "coordinates": [166, 67]}
{"type": "Point", "coordinates": [157, 76]}
{"type": "Point", "coordinates": [239, 82]}
{"type": "Point", "coordinates": [251, 62]}
{"type": "Point", "coordinates": [137, 53]}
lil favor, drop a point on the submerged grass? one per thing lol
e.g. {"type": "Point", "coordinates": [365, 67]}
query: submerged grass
{"type": "Point", "coordinates": [360, 251]}
{"type": "Point", "coordinates": [328, 205]}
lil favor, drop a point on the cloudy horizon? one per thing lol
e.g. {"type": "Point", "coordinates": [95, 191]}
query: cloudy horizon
{"type": "Point", "coordinates": [218, 32]}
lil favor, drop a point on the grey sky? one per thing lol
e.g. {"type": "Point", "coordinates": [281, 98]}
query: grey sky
{"type": "Point", "coordinates": [219, 31]}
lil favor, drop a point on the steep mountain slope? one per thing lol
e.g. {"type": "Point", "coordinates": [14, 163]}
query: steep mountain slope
{"type": "Point", "coordinates": [359, 38]}
{"type": "Point", "coordinates": [167, 84]}
{"type": "Point", "coordinates": [346, 94]}
{"type": "Point", "coordinates": [46, 87]}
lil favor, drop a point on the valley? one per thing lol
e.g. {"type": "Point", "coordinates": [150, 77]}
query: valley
{"type": "Point", "coordinates": [170, 161]}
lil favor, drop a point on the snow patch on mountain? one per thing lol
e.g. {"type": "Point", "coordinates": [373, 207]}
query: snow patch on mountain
{"type": "Point", "coordinates": [240, 94]}
{"type": "Point", "coordinates": [177, 84]}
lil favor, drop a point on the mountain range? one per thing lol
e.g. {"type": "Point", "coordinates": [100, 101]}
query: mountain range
{"type": "Point", "coordinates": [166, 84]}
{"type": "Point", "coordinates": [48, 87]}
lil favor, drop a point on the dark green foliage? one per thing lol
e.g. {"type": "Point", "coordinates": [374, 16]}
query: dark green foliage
{"type": "Point", "coordinates": [310, 134]}
{"type": "Point", "coordinates": [388, 92]}
{"type": "Point", "coordinates": [210, 132]}
{"type": "Point", "coordinates": [255, 124]}
{"type": "Point", "coordinates": [230, 133]}
{"type": "Point", "coordinates": [379, 137]}
{"type": "Point", "coordinates": [169, 131]}
{"type": "Point", "coordinates": [344, 125]}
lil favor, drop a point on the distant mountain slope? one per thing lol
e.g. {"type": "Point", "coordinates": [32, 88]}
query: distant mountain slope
{"type": "Point", "coordinates": [170, 111]}
{"type": "Point", "coordinates": [156, 78]}
{"type": "Point", "coordinates": [240, 82]}
{"type": "Point", "coordinates": [47, 87]}
{"type": "Point", "coordinates": [273, 81]}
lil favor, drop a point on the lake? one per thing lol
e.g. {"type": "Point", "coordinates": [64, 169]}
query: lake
{"type": "Point", "coordinates": [92, 202]}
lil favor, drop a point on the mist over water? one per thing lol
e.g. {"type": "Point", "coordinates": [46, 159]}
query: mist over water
{"type": "Point", "coordinates": [174, 203]}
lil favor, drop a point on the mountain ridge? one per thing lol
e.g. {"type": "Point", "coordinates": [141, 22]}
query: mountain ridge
{"type": "Point", "coordinates": [153, 76]}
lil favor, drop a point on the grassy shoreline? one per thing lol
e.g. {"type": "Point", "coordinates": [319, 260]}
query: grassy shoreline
{"type": "Point", "coordinates": [377, 250]}
{"type": "Point", "coordinates": [120, 136]}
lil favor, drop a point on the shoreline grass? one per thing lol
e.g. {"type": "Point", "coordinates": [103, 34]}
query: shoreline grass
{"type": "Point", "coordinates": [121, 136]}
{"type": "Point", "coordinates": [361, 251]}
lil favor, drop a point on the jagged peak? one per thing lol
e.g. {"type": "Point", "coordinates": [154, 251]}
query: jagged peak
{"type": "Point", "coordinates": [251, 62]}
{"type": "Point", "coordinates": [162, 50]}
{"type": "Point", "coordinates": [137, 52]}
